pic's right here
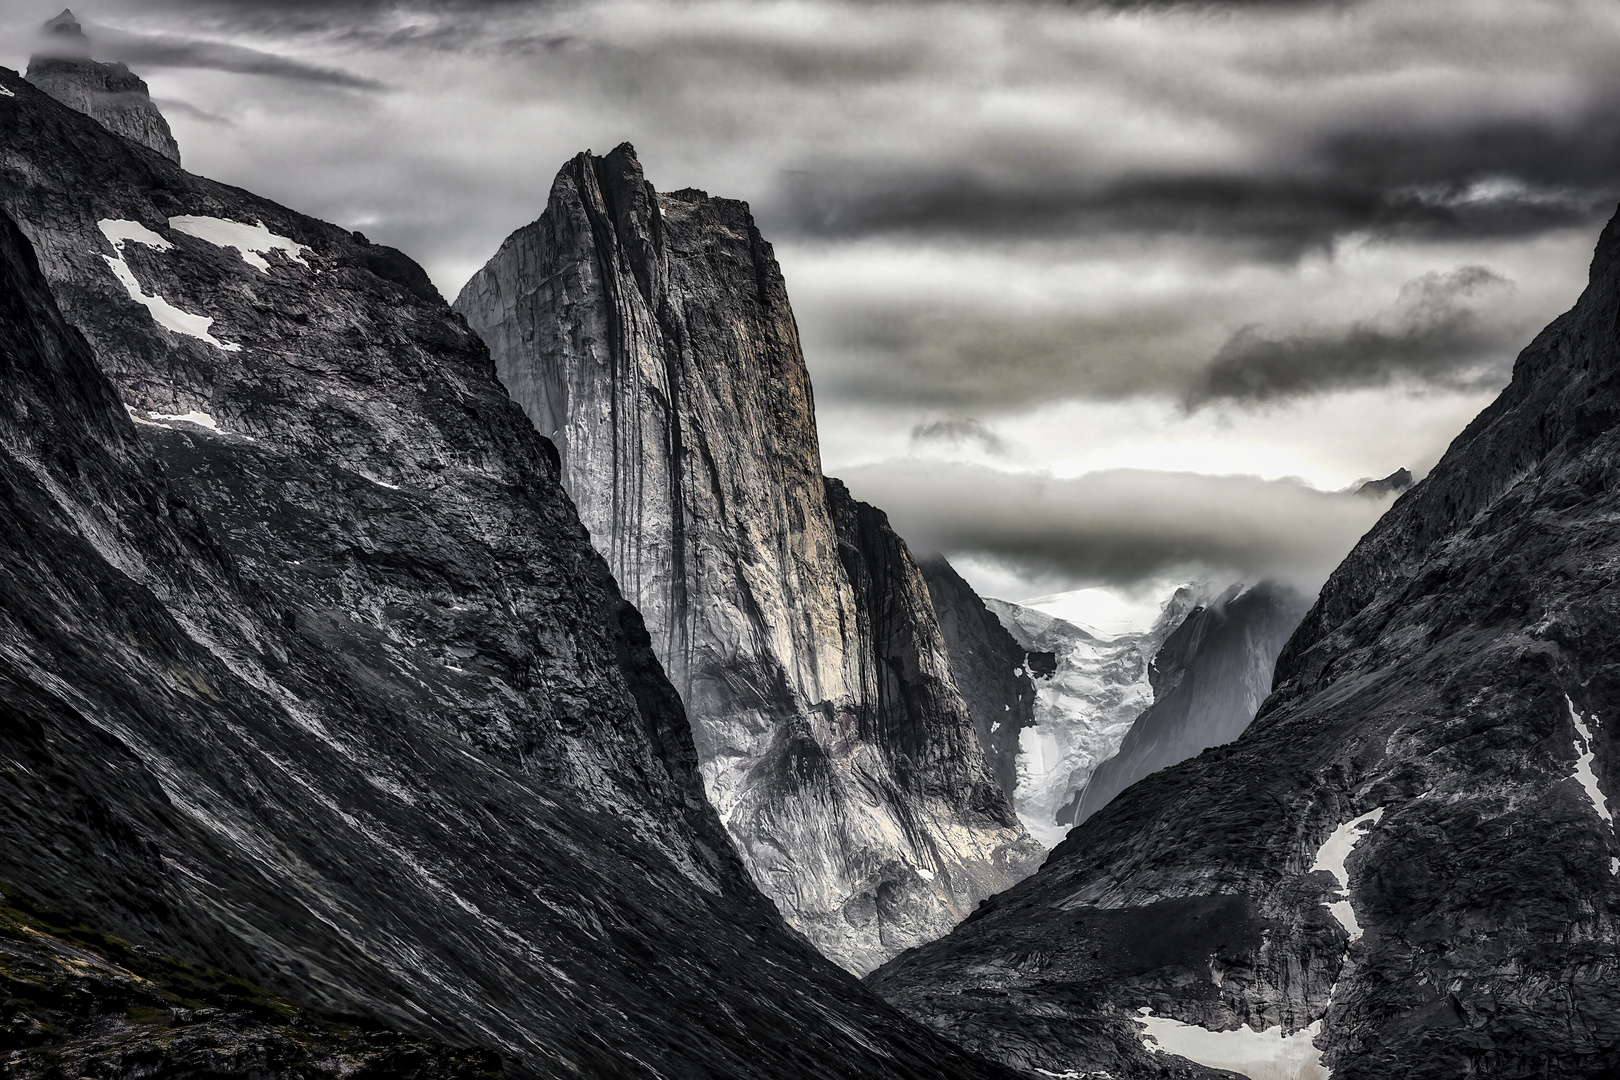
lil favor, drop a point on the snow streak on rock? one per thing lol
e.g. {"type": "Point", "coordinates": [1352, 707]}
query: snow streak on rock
{"type": "Point", "coordinates": [1334, 851]}
{"type": "Point", "coordinates": [250, 241]}
{"type": "Point", "coordinates": [163, 313]}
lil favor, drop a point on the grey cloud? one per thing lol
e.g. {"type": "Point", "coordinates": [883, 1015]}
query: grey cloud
{"type": "Point", "coordinates": [152, 51]}
{"type": "Point", "coordinates": [1119, 527]}
{"type": "Point", "coordinates": [956, 432]}
{"type": "Point", "coordinates": [1437, 332]}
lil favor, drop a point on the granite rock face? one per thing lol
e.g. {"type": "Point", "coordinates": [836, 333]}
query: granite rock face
{"type": "Point", "coordinates": [650, 336]}
{"type": "Point", "coordinates": [990, 667]}
{"type": "Point", "coordinates": [1446, 715]}
{"type": "Point", "coordinates": [1209, 678]}
{"type": "Point", "coordinates": [1089, 690]}
{"type": "Point", "coordinates": [309, 672]}
{"type": "Point", "coordinates": [110, 94]}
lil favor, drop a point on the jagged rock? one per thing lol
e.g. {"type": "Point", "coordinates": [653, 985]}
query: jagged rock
{"type": "Point", "coordinates": [1209, 678]}
{"type": "Point", "coordinates": [108, 93]}
{"type": "Point", "coordinates": [78, 1003]}
{"type": "Point", "coordinates": [650, 336]}
{"type": "Point", "coordinates": [1448, 711]}
{"type": "Point", "coordinates": [1089, 691]}
{"type": "Point", "coordinates": [1393, 484]}
{"type": "Point", "coordinates": [308, 671]}
{"type": "Point", "coordinates": [990, 667]}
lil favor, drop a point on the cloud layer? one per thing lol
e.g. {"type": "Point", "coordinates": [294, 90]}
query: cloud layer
{"type": "Point", "coordinates": [1120, 526]}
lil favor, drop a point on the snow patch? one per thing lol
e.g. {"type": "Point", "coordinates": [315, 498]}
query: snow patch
{"type": "Point", "coordinates": [927, 875]}
{"type": "Point", "coordinates": [250, 241]}
{"type": "Point", "coordinates": [165, 314]}
{"type": "Point", "coordinates": [1334, 851]}
{"type": "Point", "coordinates": [6, 93]}
{"type": "Point", "coordinates": [201, 419]}
{"type": "Point", "coordinates": [1259, 1055]}
{"type": "Point", "coordinates": [1583, 764]}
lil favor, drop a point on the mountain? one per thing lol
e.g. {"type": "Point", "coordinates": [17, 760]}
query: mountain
{"type": "Point", "coordinates": [1089, 691]}
{"type": "Point", "coordinates": [116, 98]}
{"type": "Point", "coordinates": [650, 336]}
{"type": "Point", "coordinates": [1407, 865]}
{"type": "Point", "coordinates": [989, 666]}
{"type": "Point", "coordinates": [1209, 678]}
{"type": "Point", "coordinates": [310, 674]}
{"type": "Point", "coordinates": [1393, 484]}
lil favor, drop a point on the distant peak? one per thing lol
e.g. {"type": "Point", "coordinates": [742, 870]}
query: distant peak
{"type": "Point", "coordinates": [1393, 484]}
{"type": "Point", "coordinates": [65, 24]}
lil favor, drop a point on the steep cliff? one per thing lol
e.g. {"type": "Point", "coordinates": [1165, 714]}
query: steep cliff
{"type": "Point", "coordinates": [650, 336]}
{"type": "Point", "coordinates": [308, 670]}
{"type": "Point", "coordinates": [1089, 691]}
{"type": "Point", "coordinates": [110, 94]}
{"type": "Point", "coordinates": [1407, 865]}
{"type": "Point", "coordinates": [988, 665]}
{"type": "Point", "coordinates": [1209, 678]}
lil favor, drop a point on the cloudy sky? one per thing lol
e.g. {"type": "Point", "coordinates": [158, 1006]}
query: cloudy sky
{"type": "Point", "coordinates": [1091, 294]}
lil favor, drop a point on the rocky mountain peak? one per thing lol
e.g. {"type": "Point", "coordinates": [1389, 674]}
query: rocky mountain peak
{"type": "Point", "coordinates": [109, 93]}
{"type": "Point", "coordinates": [1393, 484]}
{"type": "Point", "coordinates": [650, 336]}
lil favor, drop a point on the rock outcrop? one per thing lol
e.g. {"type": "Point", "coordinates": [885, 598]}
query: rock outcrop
{"type": "Point", "coordinates": [1209, 678]}
{"type": "Point", "coordinates": [309, 672]}
{"type": "Point", "coordinates": [1089, 691]}
{"type": "Point", "coordinates": [650, 336]}
{"type": "Point", "coordinates": [110, 94]}
{"type": "Point", "coordinates": [1407, 865]}
{"type": "Point", "coordinates": [990, 668]}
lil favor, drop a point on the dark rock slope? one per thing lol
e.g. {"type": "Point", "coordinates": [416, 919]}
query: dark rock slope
{"type": "Point", "coordinates": [1455, 692]}
{"type": "Point", "coordinates": [79, 1003]}
{"type": "Point", "coordinates": [650, 335]}
{"type": "Point", "coordinates": [308, 671]}
{"type": "Point", "coordinates": [990, 667]}
{"type": "Point", "coordinates": [1209, 678]}
{"type": "Point", "coordinates": [109, 93]}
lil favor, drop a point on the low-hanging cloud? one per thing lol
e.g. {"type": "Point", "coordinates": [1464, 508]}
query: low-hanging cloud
{"type": "Point", "coordinates": [153, 51]}
{"type": "Point", "coordinates": [958, 431]}
{"type": "Point", "coordinates": [1439, 332]}
{"type": "Point", "coordinates": [1122, 526]}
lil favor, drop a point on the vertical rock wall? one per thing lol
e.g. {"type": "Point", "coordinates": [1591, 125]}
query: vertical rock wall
{"type": "Point", "coordinates": [650, 336]}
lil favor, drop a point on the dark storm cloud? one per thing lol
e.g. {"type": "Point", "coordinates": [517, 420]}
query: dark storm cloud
{"type": "Point", "coordinates": [1494, 181]}
{"type": "Point", "coordinates": [152, 52]}
{"type": "Point", "coordinates": [1120, 526]}
{"type": "Point", "coordinates": [956, 432]}
{"type": "Point", "coordinates": [1436, 333]}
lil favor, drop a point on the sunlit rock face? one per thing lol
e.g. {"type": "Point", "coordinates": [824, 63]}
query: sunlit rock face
{"type": "Point", "coordinates": [1209, 678]}
{"type": "Point", "coordinates": [310, 673]}
{"type": "Point", "coordinates": [1415, 836]}
{"type": "Point", "coordinates": [649, 335]}
{"type": "Point", "coordinates": [110, 94]}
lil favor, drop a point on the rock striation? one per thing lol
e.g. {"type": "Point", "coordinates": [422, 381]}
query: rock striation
{"type": "Point", "coordinates": [989, 666]}
{"type": "Point", "coordinates": [649, 335]}
{"type": "Point", "coordinates": [110, 94]}
{"type": "Point", "coordinates": [1412, 844]}
{"type": "Point", "coordinates": [1090, 688]}
{"type": "Point", "coordinates": [1209, 678]}
{"type": "Point", "coordinates": [309, 672]}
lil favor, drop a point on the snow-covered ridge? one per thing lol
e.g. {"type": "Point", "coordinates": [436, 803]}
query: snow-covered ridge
{"type": "Point", "coordinates": [165, 314]}
{"type": "Point", "coordinates": [250, 241]}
